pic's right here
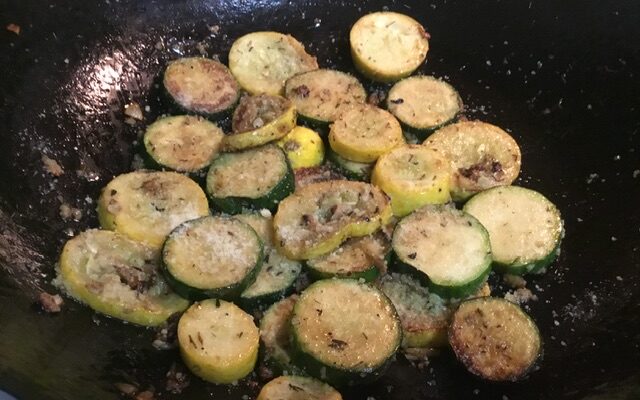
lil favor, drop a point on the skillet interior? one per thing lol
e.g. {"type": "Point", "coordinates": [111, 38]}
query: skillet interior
{"type": "Point", "coordinates": [560, 75]}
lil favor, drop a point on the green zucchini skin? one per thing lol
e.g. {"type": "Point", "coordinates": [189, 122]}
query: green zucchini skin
{"type": "Point", "coordinates": [277, 293]}
{"type": "Point", "coordinates": [335, 375]}
{"type": "Point", "coordinates": [235, 204]}
{"type": "Point", "coordinates": [230, 292]}
{"type": "Point", "coordinates": [421, 134]}
{"type": "Point", "coordinates": [368, 275]}
{"type": "Point", "coordinates": [535, 267]}
{"type": "Point", "coordinates": [442, 291]}
{"type": "Point", "coordinates": [354, 171]}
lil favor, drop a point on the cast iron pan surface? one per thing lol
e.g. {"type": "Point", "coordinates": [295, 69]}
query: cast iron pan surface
{"type": "Point", "coordinates": [560, 75]}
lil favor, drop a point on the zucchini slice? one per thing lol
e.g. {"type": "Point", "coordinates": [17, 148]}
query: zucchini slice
{"type": "Point", "coordinates": [275, 330]}
{"type": "Point", "coordinates": [424, 315]}
{"type": "Point", "coordinates": [423, 104]}
{"type": "Point", "coordinates": [387, 46]}
{"type": "Point", "coordinates": [344, 331]}
{"type": "Point", "coordinates": [255, 178]}
{"type": "Point", "coordinates": [494, 338]}
{"type": "Point", "coordinates": [212, 257]}
{"type": "Point", "coordinates": [202, 86]}
{"type": "Point", "coordinates": [218, 341]}
{"type": "Point", "coordinates": [258, 120]}
{"type": "Point", "coordinates": [277, 275]}
{"type": "Point", "coordinates": [183, 143]}
{"type": "Point", "coordinates": [357, 258]}
{"type": "Point", "coordinates": [304, 147]}
{"type": "Point", "coordinates": [146, 206]}
{"type": "Point", "coordinates": [447, 248]}
{"type": "Point", "coordinates": [353, 170]}
{"type": "Point", "coordinates": [294, 387]}
{"type": "Point", "coordinates": [320, 95]}
{"type": "Point", "coordinates": [319, 217]}
{"type": "Point", "coordinates": [481, 156]}
{"type": "Point", "coordinates": [524, 226]}
{"type": "Point", "coordinates": [118, 277]}
{"type": "Point", "coordinates": [412, 176]}
{"type": "Point", "coordinates": [263, 61]}
{"type": "Point", "coordinates": [363, 133]}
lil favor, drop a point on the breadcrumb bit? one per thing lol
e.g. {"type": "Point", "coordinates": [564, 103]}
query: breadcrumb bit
{"type": "Point", "coordinates": [134, 111]}
{"type": "Point", "coordinates": [14, 28]}
{"type": "Point", "coordinates": [515, 281]}
{"type": "Point", "coordinates": [51, 303]}
{"type": "Point", "coordinates": [51, 166]}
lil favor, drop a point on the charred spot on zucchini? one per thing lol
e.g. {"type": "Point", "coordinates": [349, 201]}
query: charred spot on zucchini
{"type": "Point", "coordinates": [412, 176]}
{"type": "Point", "coordinates": [263, 61]}
{"type": "Point", "coordinates": [212, 257]}
{"type": "Point", "coordinates": [183, 143]}
{"type": "Point", "coordinates": [218, 341]}
{"type": "Point", "coordinates": [352, 170]}
{"type": "Point", "coordinates": [494, 338]}
{"type": "Point", "coordinates": [358, 258]}
{"type": "Point", "coordinates": [423, 104]}
{"type": "Point", "coordinates": [275, 332]}
{"type": "Point", "coordinates": [343, 350]}
{"type": "Point", "coordinates": [481, 156]}
{"type": "Point", "coordinates": [146, 206]}
{"type": "Point", "coordinates": [446, 248]}
{"type": "Point", "coordinates": [200, 85]}
{"type": "Point", "coordinates": [363, 133]}
{"type": "Point", "coordinates": [318, 218]}
{"type": "Point", "coordinates": [387, 46]}
{"type": "Point", "coordinates": [320, 95]}
{"type": "Point", "coordinates": [525, 228]}
{"type": "Point", "coordinates": [323, 173]}
{"type": "Point", "coordinates": [292, 387]}
{"type": "Point", "coordinates": [258, 120]}
{"type": "Point", "coordinates": [255, 178]}
{"type": "Point", "coordinates": [117, 276]}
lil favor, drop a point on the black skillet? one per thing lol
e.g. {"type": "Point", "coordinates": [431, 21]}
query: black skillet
{"type": "Point", "coordinates": [562, 76]}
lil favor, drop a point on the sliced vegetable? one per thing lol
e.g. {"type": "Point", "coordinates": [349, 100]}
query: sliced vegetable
{"type": "Point", "coordinates": [320, 95]}
{"type": "Point", "coordinates": [146, 206]}
{"type": "Point", "coordinates": [293, 387]}
{"type": "Point", "coordinates": [524, 226]}
{"type": "Point", "coordinates": [200, 85]}
{"type": "Point", "coordinates": [353, 170]}
{"type": "Point", "coordinates": [387, 46]}
{"type": "Point", "coordinates": [263, 61]}
{"type": "Point", "coordinates": [481, 156]}
{"type": "Point", "coordinates": [424, 315]}
{"type": "Point", "coordinates": [307, 176]}
{"type": "Point", "coordinates": [212, 257]}
{"type": "Point", "coordinates": [494, 339]}
{"type": "Point", "coordinates": [277, 274]}
{"type": "Point", "coordinates": [183, 143]}
{"type": "Point", "coordinates": [317, 218]}
{"type": "Point", "coordinates": [118, 277]}
{"type": "Point", "coordinates": [304, 147]}
{"type": "Point", "coordinates": [447, 248]}
{"type": "Point", "coordinates": [258, 120]}
{"type": "Point", "coordinates": [344, 331]}
{"type": "Point", "coordinates": [275, 330]}
{"type": "Point", "coordinates": [357, 258]}
{"type": "Point", "coordinates": [218, 341]}
{"type": "Point", "coordinates": [423, 104]}
{"type": "Point", "coordinates": [255, 178]}
{"type": "Point", "coordinates": [412, 176]}
{"type": "Point", "coordinates": [363, 133]}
